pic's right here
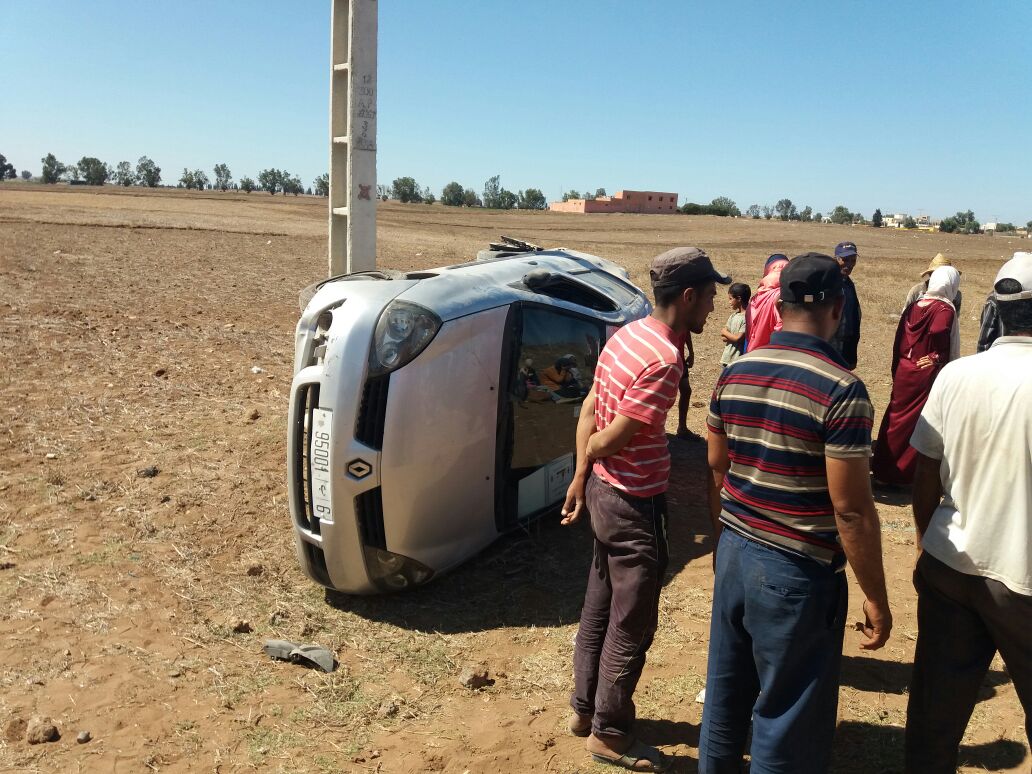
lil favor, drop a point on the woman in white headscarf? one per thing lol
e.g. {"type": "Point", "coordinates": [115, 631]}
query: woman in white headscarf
{"type": "Point", "coordinates": [926, 340]}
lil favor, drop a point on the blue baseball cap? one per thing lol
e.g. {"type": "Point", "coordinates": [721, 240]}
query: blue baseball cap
{"type": "Point", "coordinates": [845, 249]}
{"type": "Point", "coordinates": [774, 257]}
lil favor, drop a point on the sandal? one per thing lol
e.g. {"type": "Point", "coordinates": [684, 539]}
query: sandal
{"type": "Point", "coordinates": [579, 725]}
{"type": "Point", "coordinates": [637, 753]}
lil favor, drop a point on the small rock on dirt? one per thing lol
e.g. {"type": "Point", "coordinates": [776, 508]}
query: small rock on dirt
{"type": "Point", "coordinates": [51, 456]}
{"type": "Point", "coordinates": [84, 737]}
{"type": "Point", "coordinates": [148, 472]}
{"type": "Point", "coordinates": [241, 626]}
{"type": "Point", "coordinates": [474, 678]}
{"type": "Point", "coordinates": [160, 372]}
{"type": "Point", "coordinates": [254, 416]}
{"type": "Point", "coordinates": [277, 617]}
{"type": "Point", "coordinates": [257, 370]}
{"type": "Point", "coordinates": [388, 709]}
{"type": "Point", "coordinates": [15, 729]}
{"type": "Point", "coordinates": [40, 730]}
{"type": "Point", "coordinates": [254, 570]}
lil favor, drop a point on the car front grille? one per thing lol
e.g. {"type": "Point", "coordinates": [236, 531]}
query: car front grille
{"type": "Point", "coordinates": [372, 415]}
{"type": "Point", "coordinates": [369, 510]}
{"type": "Point", "coordinates": [317, 563]}
{"type": "Point", "coordinates": [306, 401]}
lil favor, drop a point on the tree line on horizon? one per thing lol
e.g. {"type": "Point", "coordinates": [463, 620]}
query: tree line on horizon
{"type": "Point", "coordinates": [454, 194]}
{"type": "Point", "coordinates": [90, 170]}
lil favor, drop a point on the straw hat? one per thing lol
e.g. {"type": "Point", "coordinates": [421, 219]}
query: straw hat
{"type": "Point", "coordinates": [938, 261]}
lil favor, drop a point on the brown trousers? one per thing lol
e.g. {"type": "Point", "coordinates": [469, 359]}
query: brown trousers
{"type": "Point", "coordinates": [621, 605]}
{"type": "Point", "coordinates": [962, 621]}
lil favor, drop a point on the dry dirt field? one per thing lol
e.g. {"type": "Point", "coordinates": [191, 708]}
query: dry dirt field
{"type": "Point", "coordinates": [129, 325]}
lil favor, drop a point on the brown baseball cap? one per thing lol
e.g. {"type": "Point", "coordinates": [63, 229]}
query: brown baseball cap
{"type": "Point", "coordinates": [684, 266]}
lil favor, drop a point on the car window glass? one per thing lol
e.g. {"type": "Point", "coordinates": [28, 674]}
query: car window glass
{"type": "Point", "coordinates": [610, 286]}
{"type": "Point", "coordinates": [555, 369]}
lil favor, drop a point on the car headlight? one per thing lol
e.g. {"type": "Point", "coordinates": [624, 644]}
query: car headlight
{"type": "Point", "coordinates": [402, 332]}
{"type": "Point", "coordinates": [394, 572]}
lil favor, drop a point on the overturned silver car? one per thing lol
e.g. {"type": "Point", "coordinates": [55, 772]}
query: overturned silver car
{"type": "Point", "coordinates": [433, 411]}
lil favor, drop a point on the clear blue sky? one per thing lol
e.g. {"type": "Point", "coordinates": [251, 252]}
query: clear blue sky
{"type": "Point", "coordinates": [915, 106]}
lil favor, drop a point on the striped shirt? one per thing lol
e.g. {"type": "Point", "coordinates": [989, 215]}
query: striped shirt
{"type": "Point", "coordinates": [637, 376]}
{"type": "Point", "coordinates": [784, 408]}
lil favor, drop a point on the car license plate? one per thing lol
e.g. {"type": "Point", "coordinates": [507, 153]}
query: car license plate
{"type": "Point", "coordinates": [319, 463]}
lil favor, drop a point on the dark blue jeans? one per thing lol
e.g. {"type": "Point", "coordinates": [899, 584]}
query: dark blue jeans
{"type": "Point", "coordinates": [774, 653]}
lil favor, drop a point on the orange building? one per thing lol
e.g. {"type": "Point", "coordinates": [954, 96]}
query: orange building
{"type": "Point", "coordinates": [645, 202]}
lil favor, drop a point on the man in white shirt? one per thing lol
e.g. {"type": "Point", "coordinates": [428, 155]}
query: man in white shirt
{"type": "Point", "coordinates": [973, 511]}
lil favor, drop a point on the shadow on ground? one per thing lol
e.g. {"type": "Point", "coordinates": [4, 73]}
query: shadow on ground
{"type": "Point", "coordinates": [878, 676]}
{"type": "Point", "coordinates": [859, 748]}
{"type": "Point", "coordinates": [887, 494]}
{"type": "Point", "coordinates": [874, 749]}
{"type": "Point", "coordinates": [535, 576]}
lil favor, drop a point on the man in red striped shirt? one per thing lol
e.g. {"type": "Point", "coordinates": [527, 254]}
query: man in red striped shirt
{"type": "Point", "coordinates": [621, 441]}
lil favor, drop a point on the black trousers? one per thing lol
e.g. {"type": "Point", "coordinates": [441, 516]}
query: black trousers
{"type": "Point", "coordinates": [621, 605]}
{"type": "Point", "coordinates": [962, 620]}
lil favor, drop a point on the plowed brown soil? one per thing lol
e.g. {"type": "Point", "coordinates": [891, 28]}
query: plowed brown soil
{"type": "Point", "coordinates": [130, 322]}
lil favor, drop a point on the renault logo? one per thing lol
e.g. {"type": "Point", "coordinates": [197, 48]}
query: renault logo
{"type": "Point", "coordinates": [359, 468]}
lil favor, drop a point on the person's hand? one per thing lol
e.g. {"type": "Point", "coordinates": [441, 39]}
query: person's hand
{"type": "Point", "coordinates": [691, 359]}
{"type": "Point", "coordinates": [924, 362]}
{"type": "Point", "coordinates": [574, 504]}
{"type": "Point", "coordinates": [876, 625]}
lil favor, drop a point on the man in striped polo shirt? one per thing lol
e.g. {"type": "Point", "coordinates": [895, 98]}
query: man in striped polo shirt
{"type": "Point", "coordinates": [623, 466]}
{"type": "Point", "coordinates": [789, 442]}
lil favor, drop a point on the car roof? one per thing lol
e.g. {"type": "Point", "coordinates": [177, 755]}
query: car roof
{"type": "Point", "coordinates": [462, 289]}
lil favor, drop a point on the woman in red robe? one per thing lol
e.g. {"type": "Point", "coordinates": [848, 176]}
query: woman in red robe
{"type": "Point", "coordinates": [762, 317]}
{"type": "Point", "coordinates": [925, 342]}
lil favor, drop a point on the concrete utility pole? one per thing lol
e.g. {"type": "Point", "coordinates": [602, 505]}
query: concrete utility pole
{"type": "Point", "coordinates": [353, 136]}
